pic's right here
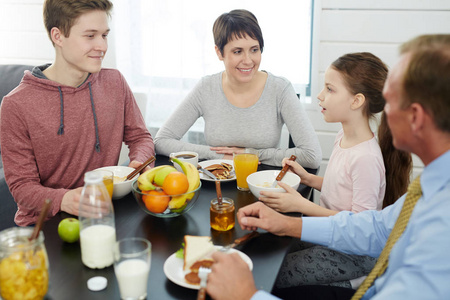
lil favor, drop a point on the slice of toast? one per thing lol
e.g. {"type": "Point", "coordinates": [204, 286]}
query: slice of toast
{"type": "Point", "coordinates": [196, 248]}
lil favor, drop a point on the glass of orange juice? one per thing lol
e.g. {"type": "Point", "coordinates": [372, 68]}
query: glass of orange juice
{"type": "Point", "coordinates": [108, 180]}
{"type": "Point", "coordinates": [244, 165]}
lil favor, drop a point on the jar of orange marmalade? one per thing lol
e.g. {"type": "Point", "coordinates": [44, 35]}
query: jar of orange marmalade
{"type": "Point", "coordinates": [23, 265]}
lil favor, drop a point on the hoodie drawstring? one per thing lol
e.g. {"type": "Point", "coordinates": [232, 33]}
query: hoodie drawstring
{"type": "Point", "coordinates": [97, 139]}
{"type": "Point", "coordinates": [61, 123]}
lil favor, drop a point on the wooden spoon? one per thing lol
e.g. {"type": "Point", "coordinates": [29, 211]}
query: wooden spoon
{"type": "Point", "coordinates": [283, 172]}
{"type": "Point", "coordinates": [140, 168]}
{"type": "Point", "coordinates": [40, 222]}
{"type": "Point", "coordinates": [219, 193]}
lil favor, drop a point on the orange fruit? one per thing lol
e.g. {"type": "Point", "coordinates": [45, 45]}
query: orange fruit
{"type": "Point", "coordinates": [175, 183]}
{"type": "Point", "coordinates": [156, 201]}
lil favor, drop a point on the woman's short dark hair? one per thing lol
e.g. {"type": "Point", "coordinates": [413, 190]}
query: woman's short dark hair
{"type": "Point", "coordinates": [237, 23]}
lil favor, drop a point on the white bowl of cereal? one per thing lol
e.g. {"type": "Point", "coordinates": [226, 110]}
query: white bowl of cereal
{"type": "Point", "coordinates": [121, 187]}
{"type": "Point", "coordinates": [262, 181]}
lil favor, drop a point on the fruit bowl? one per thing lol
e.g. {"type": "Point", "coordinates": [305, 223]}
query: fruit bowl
{"type": "Point", "coordinates": [143, 196]}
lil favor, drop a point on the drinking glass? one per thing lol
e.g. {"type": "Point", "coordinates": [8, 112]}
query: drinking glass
{"type": "Point", "coordinates": [108, 180]}
{"type": "Point", "coordinates": [132, 259]}
{"type": "Point", "coordinates": [221, 216]}
{"type": "Point", "coordinates": [244, 165]}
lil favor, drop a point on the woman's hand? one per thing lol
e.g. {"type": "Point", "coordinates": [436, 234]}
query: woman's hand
{"type": "Point", "coordinates": [291, 201]}
{"type": "Point", "coordinates": [228, 151]}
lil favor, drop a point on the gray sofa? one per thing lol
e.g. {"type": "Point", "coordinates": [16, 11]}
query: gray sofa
{"type": "Point", "coordinates": [10, 76]}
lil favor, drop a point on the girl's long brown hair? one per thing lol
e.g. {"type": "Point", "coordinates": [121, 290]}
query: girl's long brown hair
{"type": "Point", "coordinates": [365, 73]}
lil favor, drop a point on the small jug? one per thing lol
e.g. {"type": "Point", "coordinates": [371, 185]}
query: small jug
{"type": "Point", "coordinates": [23, 265]}
{"type": "Point", "coordinates": [97, 226]}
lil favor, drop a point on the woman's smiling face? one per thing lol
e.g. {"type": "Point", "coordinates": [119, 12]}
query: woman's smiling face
{"type": "Point", "coordinates": [241, 57]}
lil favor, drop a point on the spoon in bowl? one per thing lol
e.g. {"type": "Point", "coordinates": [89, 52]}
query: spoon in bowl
{"type": "Point", "coordinates": [283, 172]}
{"type": "Point", "coordinates": [140, 168]}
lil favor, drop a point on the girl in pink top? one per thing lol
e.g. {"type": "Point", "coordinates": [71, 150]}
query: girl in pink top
{"type": "Point", "coordinates": [355, 179]}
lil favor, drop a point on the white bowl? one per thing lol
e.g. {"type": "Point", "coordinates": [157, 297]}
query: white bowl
{"type": "Point", "coordinates": [262, 181]}
{"type": "Point", "coordinates": [121, 189]}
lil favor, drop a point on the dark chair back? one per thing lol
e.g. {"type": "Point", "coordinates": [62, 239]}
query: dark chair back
{"type": "Point", "coordinates": [10, 77]}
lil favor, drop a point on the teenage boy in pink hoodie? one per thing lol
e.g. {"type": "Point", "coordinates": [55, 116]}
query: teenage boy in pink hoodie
{"type": "Point", "coordinates": [68, 117]}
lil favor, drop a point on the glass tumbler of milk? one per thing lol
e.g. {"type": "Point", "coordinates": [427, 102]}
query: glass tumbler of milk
{"type": "Point", "coordinates": [132, 259]}
{"type": "Point", "coordinates": [97, 227]}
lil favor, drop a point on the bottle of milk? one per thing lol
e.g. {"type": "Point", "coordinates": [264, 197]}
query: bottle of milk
{"type": "Point", "coordinates": [97, 228]}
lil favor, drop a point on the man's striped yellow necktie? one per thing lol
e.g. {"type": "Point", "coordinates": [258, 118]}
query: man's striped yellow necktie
{"type": "Point", "coordinates": [414, 193]}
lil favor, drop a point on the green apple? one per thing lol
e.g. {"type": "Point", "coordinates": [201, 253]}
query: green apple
{"type": "Point", "coordinates": [69, 230]}
{"type": "Point", "coordinates": [161, 174]}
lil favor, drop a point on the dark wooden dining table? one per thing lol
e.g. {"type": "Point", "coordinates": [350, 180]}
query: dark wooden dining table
{"type": "Point", "coordinates": [68, 275]}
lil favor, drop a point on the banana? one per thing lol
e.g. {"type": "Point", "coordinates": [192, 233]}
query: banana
{"type": "Point", "coordinates": [145, 180]}
{"type": "Point", "coordinates": [194, 181]}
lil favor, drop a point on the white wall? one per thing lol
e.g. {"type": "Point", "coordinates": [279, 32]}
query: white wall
{"type": "Point", "coordinates": [377, 26]}
{"type": "Point", "coordinates": [341, 26]}
{"type": "Point", "coordinates": [23, 35]}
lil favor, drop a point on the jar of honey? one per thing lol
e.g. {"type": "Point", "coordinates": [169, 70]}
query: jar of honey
{"type": "Point", "coordinates": [23, 265]}
{"type": "Point", "coordinates": [222, 215]}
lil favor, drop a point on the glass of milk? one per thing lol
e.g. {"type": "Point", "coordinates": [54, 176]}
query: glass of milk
{"type": "Point", "coordinates": [132, 259]}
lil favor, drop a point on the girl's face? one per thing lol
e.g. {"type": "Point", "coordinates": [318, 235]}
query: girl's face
{"type": "Point", "coordinates": [335, 99]}
{"type": "Point", "coordinates": [241, 57]}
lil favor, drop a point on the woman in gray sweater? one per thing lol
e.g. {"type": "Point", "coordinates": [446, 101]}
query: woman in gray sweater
{"type": "Point", "coordinates": [242, 107]}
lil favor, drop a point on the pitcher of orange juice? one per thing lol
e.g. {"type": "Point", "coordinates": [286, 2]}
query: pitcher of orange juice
{"type": "Point", "coordinates": [23, 265]}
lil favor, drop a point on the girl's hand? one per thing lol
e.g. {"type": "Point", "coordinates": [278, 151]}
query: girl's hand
{"type": "Point", "coordinates": [291, 201]}
{"type": "Point", "coordinates": [296, 168]}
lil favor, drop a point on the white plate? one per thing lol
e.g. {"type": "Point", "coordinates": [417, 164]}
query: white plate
{"type": "Point", "coordinates": [207, 163]}
{"type": "Point", "coordinates": [173, 268]}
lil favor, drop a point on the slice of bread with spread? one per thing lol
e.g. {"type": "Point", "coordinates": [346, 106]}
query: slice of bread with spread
{"type": "Point", "coordinates": [196, 248]}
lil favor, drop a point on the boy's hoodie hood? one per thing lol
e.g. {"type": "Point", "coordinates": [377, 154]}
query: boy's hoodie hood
{"type": "Point", "coordinates": [37, 72]}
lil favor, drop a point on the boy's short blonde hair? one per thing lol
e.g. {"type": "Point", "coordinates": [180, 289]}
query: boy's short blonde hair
{"type": "Point", "coordinates": [62, 14]}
